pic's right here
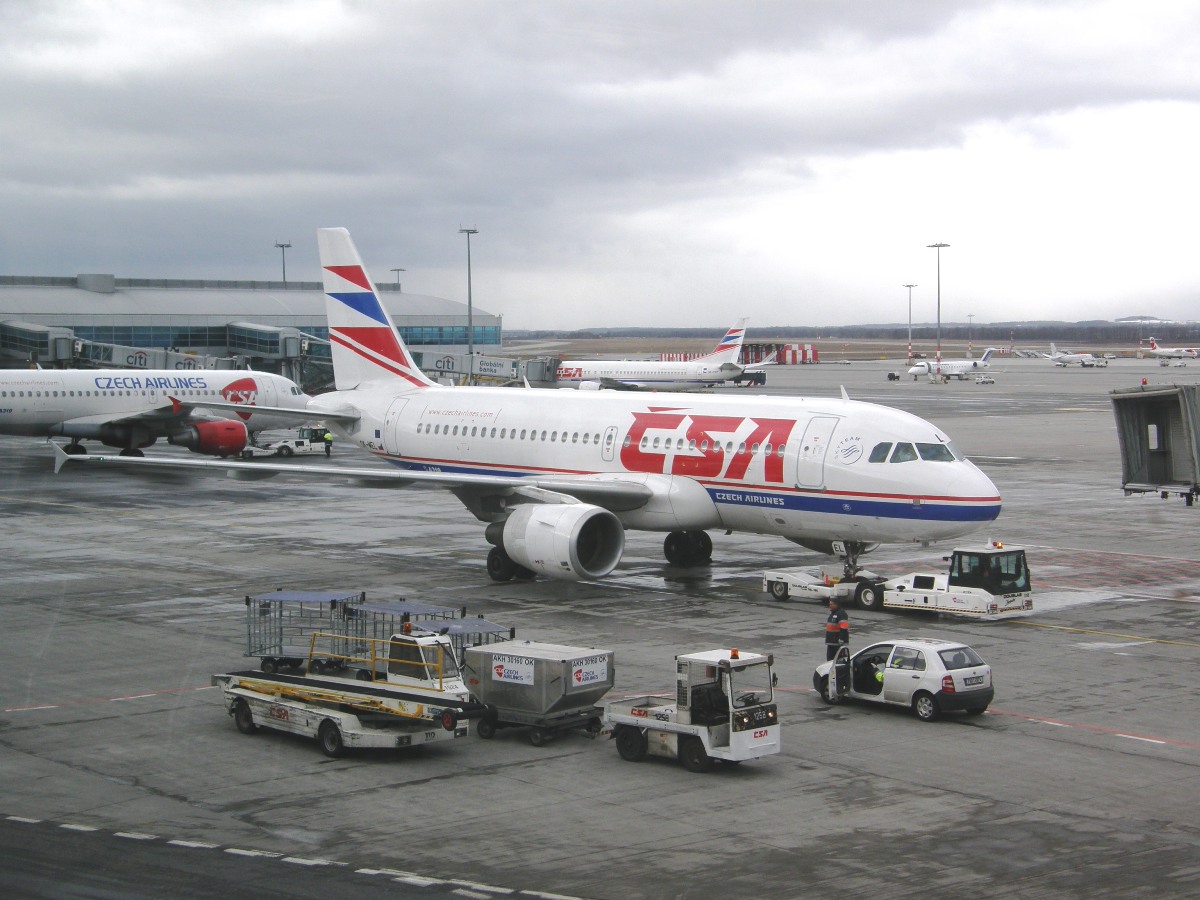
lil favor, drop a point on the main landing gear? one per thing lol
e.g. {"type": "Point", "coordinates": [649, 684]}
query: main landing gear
{"type": "Point", "coordinates": [688, 549]}
{"type": "Point", "coordinates": [500, 567]}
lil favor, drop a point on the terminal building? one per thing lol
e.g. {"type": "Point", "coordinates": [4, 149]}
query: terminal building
{"type": "Point", "coordinates": [94, 321]}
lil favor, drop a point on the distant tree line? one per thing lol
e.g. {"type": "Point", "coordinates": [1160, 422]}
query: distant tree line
{"type": "Point", "coordinates": [998, 333]}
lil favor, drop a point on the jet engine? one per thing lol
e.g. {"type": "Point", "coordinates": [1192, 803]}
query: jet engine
{"type": "Point", "coordinates": [221, 438]}
{"type": "Point", "coordinates": [568, 541]}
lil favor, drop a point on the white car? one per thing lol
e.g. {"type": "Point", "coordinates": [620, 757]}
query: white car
{"type": "Point", "coordinates": [930, 676]}
{"type": "Point", "coordinates": [984, 379]}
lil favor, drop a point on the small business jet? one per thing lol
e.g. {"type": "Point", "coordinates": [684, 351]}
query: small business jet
{"type": "Point", "coordinates": [704, 371]}
{"type": "Point", "coordinates": [1063, 359]}
{"type": "Point", "coordinates": [559, 476]}
{"type": "Point", "coordinates": [952, 368]}
{"type": "Point", "coordinates": [209, 411]}
{"type": "Point", "coordinates": [1173, 352]}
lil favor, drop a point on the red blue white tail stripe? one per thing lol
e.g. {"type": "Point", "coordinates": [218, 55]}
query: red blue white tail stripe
{"type": "Point", "coordinates": [365, 343]}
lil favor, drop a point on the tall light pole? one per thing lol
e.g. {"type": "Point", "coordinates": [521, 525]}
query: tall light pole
{"type": "Point", "coordinates": [283, 249]}
{"type": "Point", "coordinates": [970, 322]}
{"type": "Point", "coordinates": [470, 314]}
{"type": "Point", "coordinates": [398, 271]}
{"type": "Point", "coordinates": [910, 287]}
{"type": "Point", "coordinates": [939, 306]}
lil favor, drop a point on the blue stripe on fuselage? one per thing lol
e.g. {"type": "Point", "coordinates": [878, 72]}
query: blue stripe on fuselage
{"type": "Point", "coordinates": [927, 510]}
{"type": "Point", "coordinates": [866, 507]}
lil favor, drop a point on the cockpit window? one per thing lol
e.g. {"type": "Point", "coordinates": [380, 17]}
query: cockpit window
{"type": "Point", "coordinates": [935, 452]}
{"type": "Point", "coordinates": [880, 453]}
{"type": "Point", "coordinates": [904, 453]}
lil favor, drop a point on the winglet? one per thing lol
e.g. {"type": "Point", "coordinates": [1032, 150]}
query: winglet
{"type": "Point", "coordinates": [61, 457]}
{"type": "Point", "coordinates": [845, 396]}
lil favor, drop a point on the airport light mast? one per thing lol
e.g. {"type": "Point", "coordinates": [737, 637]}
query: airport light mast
{"type": "Point", "coordinates": [939, 247]}
{"type": "Point", "coordinates": [970, 322]}
{"type": "Point", "coordinates": [283, 249]}
{"type": "Point", "coordinates": [470, 316]}
{"type": "Point", "coordinates": [398, 271]}
{"type": "Point", "coordinates": [910, 356]}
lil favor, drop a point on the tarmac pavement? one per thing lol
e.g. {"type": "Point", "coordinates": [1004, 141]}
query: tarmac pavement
{"type": "Point", "coordinates": [123, 594]}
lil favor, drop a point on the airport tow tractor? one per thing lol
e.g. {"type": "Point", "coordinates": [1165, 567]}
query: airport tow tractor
{"type": "Point", "coordinates": [302, 440]}
{"type": "Point", "coordinates": [985, 582]}
{"type": "Point", "coordinates": [723, 709]}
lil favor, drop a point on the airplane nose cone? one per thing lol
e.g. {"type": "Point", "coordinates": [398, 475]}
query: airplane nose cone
{"type": "Point", "coordinates": [977, 493]}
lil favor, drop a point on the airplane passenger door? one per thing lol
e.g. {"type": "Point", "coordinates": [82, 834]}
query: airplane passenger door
{"type": "Point", "coordinates": [609, 447]}
{"type": "Point", "coordinates": [810, 457]}
{"type": "Point", "coordinates": [391, 426]}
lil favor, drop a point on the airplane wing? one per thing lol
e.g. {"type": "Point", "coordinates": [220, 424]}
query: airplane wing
{"type": "Point", "coordinates": [346, 417]}
{"type": "Point", "coordinates": [614, 494]}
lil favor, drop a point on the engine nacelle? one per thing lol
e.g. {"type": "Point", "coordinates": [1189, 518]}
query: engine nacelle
{"type": "Point", "coordinates": [568, 541]}
{"type": "Point", "coordinates": [222, 438]}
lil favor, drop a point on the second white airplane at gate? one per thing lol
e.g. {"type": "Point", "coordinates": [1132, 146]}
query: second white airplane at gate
{"type": "Point", "coordinates": [557, 477]}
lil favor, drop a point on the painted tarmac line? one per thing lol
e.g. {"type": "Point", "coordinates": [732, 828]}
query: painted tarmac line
{"type": "Point", "coordinates": [1098, 729]}
{"type": "Point", "coordinates": [164, 691]}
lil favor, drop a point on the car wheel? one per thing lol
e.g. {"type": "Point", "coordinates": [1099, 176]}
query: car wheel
{"type": "Point", "coordinates": [285, 452]}
{"type": "Point", "coordinates": [925, 706]}
{"type": "Point", "coordinates": [821, 684]}
{"type": "Point", "coordinates": [693, 755]}
{"type": "Point", "coordinates": [868, 595]}
{"type": "Point", "coordinates": [485, 728]}
{"type": "Point", "coordinates": [631, 743]}
{"type": "Point", "coordinates": [779, 590]}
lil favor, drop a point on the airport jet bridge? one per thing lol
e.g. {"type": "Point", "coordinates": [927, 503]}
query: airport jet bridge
{"type": "Point", "coordinates": [1158, 427]}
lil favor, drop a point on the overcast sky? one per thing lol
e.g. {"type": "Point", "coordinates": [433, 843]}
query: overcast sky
{"type": "Point", "coordinates": [626, 163]}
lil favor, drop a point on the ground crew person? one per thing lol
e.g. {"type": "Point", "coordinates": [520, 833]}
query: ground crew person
{"type": "Point", "coordinates": [837, 629]}
{"type": "Point", "coordinates": [328, 443]}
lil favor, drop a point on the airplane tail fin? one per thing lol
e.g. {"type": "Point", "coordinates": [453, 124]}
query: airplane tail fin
{"type": "Point", "coordinates": [729, 348]}
{"type": "Point", "coordinates": [987, 354]}
{"type": "Point", "coordinates": [365, 343]}
{"type": "Point", "coordinates": [1153, 344]}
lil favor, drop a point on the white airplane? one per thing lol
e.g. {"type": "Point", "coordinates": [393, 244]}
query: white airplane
{"type": "Point", "coordinates": [558, 476]}
{"type": "Point", "coordinates": [208, 411]}
{"type": "Point", "coordinates": [703, 371]}
{"type": "Point", "coordinates": [953, 368]}
{"type": "Point", "coordinates": [1173, 352]}
{"type": "Point", "coordinates": [1063, 359]}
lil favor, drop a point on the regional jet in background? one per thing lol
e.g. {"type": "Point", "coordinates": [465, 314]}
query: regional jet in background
{"type": "Point", "coordinates": [557, 477]}
{"type": "Point", "coordinates": [1063, 359]}
{"type": "Point", "coordinates": [1173, 352]}
{"type": "Point", "coordinates": [206, 410]}
{"type": "Point", "coordinates": [952, 368]}
{"type": "Point", "coordinates": [704, 371]}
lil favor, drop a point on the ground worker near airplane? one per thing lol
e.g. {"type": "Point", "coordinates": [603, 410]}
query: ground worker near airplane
{"type": "Point", "coordinates": [328, 443]}
{"type": "Point", "coordinates": [837, 629]}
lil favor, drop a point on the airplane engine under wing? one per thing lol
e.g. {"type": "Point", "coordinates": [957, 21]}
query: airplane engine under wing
{"type": "Point", "coordinates": [568, 541]}
{"type": "Point", "coordinates": [221, 438]}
